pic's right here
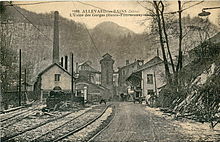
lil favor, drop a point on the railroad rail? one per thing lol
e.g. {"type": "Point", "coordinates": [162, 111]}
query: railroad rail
{"type": "Point", "coordinates": [11, 110]}
{"type": "Point", "coordinates": [82, 127]}
{"type": "Point", "coordinates": [38, 138]}
{"type": "Point", "coordinates": [9, 138]}
{"type": "Point", "coordinates": [16, 118]}
{"type": "Point", "coordinates": [72, 126]}
{"type": "Point", "coordinates": [12, 116]}
{"type": "Point", "coordinates": [104, 128]}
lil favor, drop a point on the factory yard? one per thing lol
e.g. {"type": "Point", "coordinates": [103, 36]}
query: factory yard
{"type": "Point", "coordinates": [31, 124]}
{"type": "Point", "coordinates": [119, 121]}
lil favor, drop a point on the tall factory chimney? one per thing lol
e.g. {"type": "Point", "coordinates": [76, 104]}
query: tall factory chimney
{"type": "Point", "coordinates": [56, 38]}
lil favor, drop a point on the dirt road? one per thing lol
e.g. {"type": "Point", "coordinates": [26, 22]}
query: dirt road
{"type": "Point", "coordinates": [133, 123]}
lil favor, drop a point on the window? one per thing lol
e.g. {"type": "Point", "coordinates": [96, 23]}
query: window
{"type": "Point", "coordinates": [123, 72]}
{"type": "Point", "coordinates": [150, 92]}
{"type": "Point", "coordinates": [57, 77]}
{"type": "Point", "coordinates": [149, 78]}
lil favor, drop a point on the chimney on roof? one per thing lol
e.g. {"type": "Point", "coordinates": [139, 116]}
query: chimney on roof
{"type": "Point", "coordinates": [61, 62]}
{"type": "Point", "coordinates": [66, 63]}
{"type": "Point", "coordinates": [158, 52]}
{"type": "Point", "coordinates": [56, 38]}
{"type": "Point", "coordinates": [77, 67]}
{"type": "Point", "coordinates": [127, 62]}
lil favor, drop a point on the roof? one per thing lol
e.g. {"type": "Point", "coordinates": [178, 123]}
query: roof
{"type": "Point", "coordinates": [134, 78]}
{"type": "Point", "coordinates": [107, 57]}
{"type": "Point", "coordinates": [86, 81]}
{"type": "Point", "coordinates": [52, 65]}
{"type": "Point", "coordinates": [135, 62]}
{"type": "Point", "coordinates": [152, 62]}
{"type": "Point", "coordinates": [88, 64]}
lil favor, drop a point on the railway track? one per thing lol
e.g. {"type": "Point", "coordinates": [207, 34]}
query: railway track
{"type": "Point", "coordinates": [8, 114]}
{"type": "Point", "coordinates": [10, 137]}
{"type": "Point", "coordinates": [14, 114]}
{"type": "Point", "coordinates": [72, 126]}
{"type": "Point", "coordinates": [62, 132]}
{"type": "Point", "coordinates": [11, 110]}
{"type": "Point", "coordinates": [92, 139]}
{"type": "Point", "coordinates": [6, 122]}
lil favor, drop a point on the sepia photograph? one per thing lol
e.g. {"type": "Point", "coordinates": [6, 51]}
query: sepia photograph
{"type": "Point", "coordinates": [110, 71]}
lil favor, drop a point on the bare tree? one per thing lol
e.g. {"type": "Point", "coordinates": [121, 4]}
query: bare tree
{"type": "Point", "coordinates": [158, 17]}
{"type": "Point", "coordinates": [166, 36]}
{"type": "Point", "coordinates": [180, 62]}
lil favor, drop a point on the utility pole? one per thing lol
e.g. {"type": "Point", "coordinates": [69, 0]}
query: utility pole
{"type": "Point", "coordinates": [19, 93]}
{"type": "Point", "coordinates": [25, 85]}
{"type": "Point", "coordinates": [155, 83]}
{"type": "Point", "coordinates": [72, 73]}
{"type": "Point", "coordinates": [25, 80]}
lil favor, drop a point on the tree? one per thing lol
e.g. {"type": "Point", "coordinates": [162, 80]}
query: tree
{"type": "Point", "coordinates": [166, 36]}
{"type": "Point", "coordinates": [180, 57]}
{"type": "Point", "coordinates": [158, 17]}
{"type": "Point", "coordinates": [7, 55]}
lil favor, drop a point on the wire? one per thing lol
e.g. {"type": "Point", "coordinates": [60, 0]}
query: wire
{"type": "Point", "coordinates": [174, 12]}
{"type": "Point", "coordinates": [192, 6]}
{"type": "Point", "coordinates": [32, 23]}
{"type": "Point", "coordinates": [94, 45]}
{"type": "Point", "coordinates": [35, 3]}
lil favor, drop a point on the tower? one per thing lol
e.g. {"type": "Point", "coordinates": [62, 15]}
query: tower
{"type": "Point", "coordinates": [56, 38]}
{"type": "Point", "coordinates": [107, 71]}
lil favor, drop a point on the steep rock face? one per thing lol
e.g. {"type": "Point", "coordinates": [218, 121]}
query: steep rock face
{"type": "Point", "coordinates": [194, 95]}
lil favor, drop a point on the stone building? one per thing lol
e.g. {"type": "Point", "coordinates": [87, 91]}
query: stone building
{"type": "Point", "coordinates": [107, 73]}
{"type": "Point", "coordinates": [124, 72]}
{"type": "Point", "coordinates": [90, 91]}
{"type": "Point", "coordinates": [55, 75]}
{"type": "Point", "coordinates": [87, 72]}
{"type": "Point", "coordinates": [52, 77]}
{"type": "Point", "coordinates": [147, 80]}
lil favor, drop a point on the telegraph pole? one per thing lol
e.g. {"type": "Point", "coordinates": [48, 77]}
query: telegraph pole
{"type": "Point", "coordinates": [72, 72]}
{"type": "Point", "coordinates": [19, 93]}
{"type": "Point", "coordinates": [25, 79]}
{"type": "Point", "coordinates": [25, 85]}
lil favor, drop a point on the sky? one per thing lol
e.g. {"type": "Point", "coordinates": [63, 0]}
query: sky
{"type": "Point", "coordinates": [131, 22]}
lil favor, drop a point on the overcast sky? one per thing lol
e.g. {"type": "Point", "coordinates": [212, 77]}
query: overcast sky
{"type": "Point", "coordinates": [133, 23]}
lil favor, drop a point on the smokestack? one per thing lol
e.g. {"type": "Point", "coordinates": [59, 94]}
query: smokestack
{"type": "Point", "coordinates": [56, 38]}
{"type": "Point", "coordinates": [127, 62]}
{"type": "Point", "coordinates": [61, 63]}
{"type": "Point", "coordinates": [77, 67]}
{"type": "Point", "coordinates": [66, 63]}
{"type": "Point", "coordinates": [158, 52]}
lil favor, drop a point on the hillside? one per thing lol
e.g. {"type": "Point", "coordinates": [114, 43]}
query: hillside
{"type": "Point", "coordinates": [36, 41]}
{"type": "Point", "coordinates": [111, 29]}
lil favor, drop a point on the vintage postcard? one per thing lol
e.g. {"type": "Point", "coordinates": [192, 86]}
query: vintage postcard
{"type": "Point", "coordinates": [110, 71]}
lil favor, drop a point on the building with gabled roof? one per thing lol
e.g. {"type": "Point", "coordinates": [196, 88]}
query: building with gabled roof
{"type": "Point", "coordinates": [52, 77]}
{"type": "Point", "coordinates": [94, 92]}
{"type": "Point", "coordinates": [124, 72]}
{"type": "Point", "coordinates": [147, 80]}
{"type": "Point", "coordinates": [87, 72]}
